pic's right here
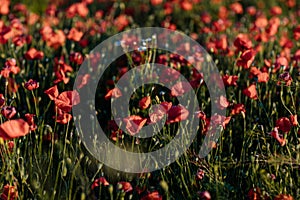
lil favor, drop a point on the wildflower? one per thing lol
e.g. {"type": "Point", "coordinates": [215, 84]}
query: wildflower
{"type": "Point", "coordinates": [8, 111]}
{"type": "Point", "coordinates": [10, 146]}
{"type": "Point", "coordinates": [75, 35]}
{"type": "Point", "coordinates": [180, 88]}
{"type": "Point", "coordinates": [115, 93]}
{"type": "Point", "coordinates": [236, 8]}
{"type": "Point", "coordinates": [275, 134]}
{"type": "Point", "coordinates": [31, 84]}
{"type": "Point", "coordinates": [294, 120]}
{"type": "Point", "coordinates": [100, 181]}
{"type": "Point", "coordinates": [297, 33]}
{"type": "Point", "coordinates": [152, 196]}
{"type": "Point", "coordinates": [125, 186]}
{"type": "Point", "coordinates": [281, 62]}
{"type": "Point", "coordinates": [284, 124]}
{"type": "Point", "coordinates": [230, 80]}
{"type": "Point", "coordinates": [121, 22]}
{"type": "Point", "coordinates": [13, 129]}
{"type": "Point", "coordinates": [276, 10]}
{"type": "Point", "coordinates": [223, 102]}
{"type": "Point", "coordinates": [286, 78]}
{"type": "Point", "coordinates": [9, 191]}
{"type": "Point", "coordinates": [283, 197]}
{"type": "Point", "coordinates": [246, 59]}
{"type": "Point", "coordinates": [76, 58]}
{"type": "Point", "coordinates": [134, 124]}
{"type": "Point", "coordinates": [77, 9]}
{"type": "Point", "coordinates": [177, 114]}
{"type": "Point", "coordinates": [205, 195]}
{"type": "Point", "coordinates": [66, 100]}
{"type": "Point", "coordinates": [33, 54]}
{"type": "Point", "coordinates": [82, 80]}
{"type": "Point", "coordinates": [159, 111]}
{"type": "Point", "coordinates": [186, 5]}
{"type": "Point", "coordinates": [10, 66]}
{"type": "Point", "coordinates": [242, 42]}
{"type": "Point", "coordinates": [52, 92]}
{"type": "Point", "coordinates": [62, 117]}
{"type": "Point", "coordinates": [251, 92]}
{"type": "Point", "coordinates": [4, 7]}
{"type": "Point", "coordinates": [30, 120]}
{"type": "Point", "coordinates": [254, 193]}
{"type": "Point", "coordinates": [238, 108]}
{"type": "Point", "coordinates": [200, 174]}
{"type": "Point", "coordinates": [145, 102]}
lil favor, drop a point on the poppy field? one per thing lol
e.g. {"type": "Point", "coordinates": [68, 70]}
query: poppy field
{"type": "Point", "coordinates": [255, 47]}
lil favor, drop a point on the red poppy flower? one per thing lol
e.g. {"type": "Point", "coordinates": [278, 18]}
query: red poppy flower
{"type": "Point", "coordinates": [281, 62]}
{"type": "Point", "coordinates": [286, 78]}
{"type": "Point", "coordinates": [251, 92]}
{"type": "Point", "coordinates": [168, 75]}
{"type": "Point", "coordinates": [55, 39]}
{"type": "Point", "coordinates": [152, 196]}
{"type": "Point", "coordinates": [125, 186]}
{"type": "Point", "coordinates": [77, 9]}
{"type": "Point", "coordinates": [2, 100]}
{"type": "Point", "coordinates": [76, 58]}
{"type": "Point", "coordinates": [230, 80]}
{"type": "Point", "coordinates": [75, 35]}
{"type": "Point", "coordinates": [246, 59]}
{"type": "Point", "coordinates": [158, 112]}
{"type": "Point", "coordinates": [276, 10]}
{"type": "Point", "coordinates": [9, 191]}
{"type": "Point", "coordinates": [14, 128]}
{"type": "Point", "coordinates": [145, 102]}
{"type": "Point", "coordinates": [186, 5]}
{"type": "Point", "coordinates": [223, 102]}
{"type": "Point", "coordinates": [31, 84]}
{"type": "Point", "coordinates": [62, 117]}
{"type": "Point", "coordinates": [10, 66]}
{"type": "Point", "coordinates": [294, 120]}
{"type": "Point", "coordinates": [8, 112]}
{"type": "Point", "coordinates": [204, 195]}
{"type": "Point", "coordinates": [251, 10]}
{"type": "Point", "coordinates": [217, 120]}
{"type": "Point", "coordinates": [177, 114]}
{"type": "Point", "coordinates": [30, 120]}
{"type": "Point", "coordinates": [237, 8]}
{"type": "Point", "coordinates": [10, 146]}
{"type": "Point", "coordinates": [201, 115]}
{"type": "Point", "coordinates": [66, 100]}
{"type": "Point", "coordinates": [4, 7]}
{"type": "Point", "coordinates": [100, 181]}
{"type": "Point", "coordinates": [261, 22]}
{"type": "Point", "coordinates": [284, 124]}
{"type": "Point", "coordinates": [156, 2]}
{"type": "Point", "coordinates": [82, 80]}
{"type": "Point", "coordinates": [263, 77]}
{"type": "Point", "coordinates": [238, 108]}
{"type": "Point", "coordinates": [254, 193]}
{"type": "Point", "coordinates": [52, 92]}
{"type": "Point", "coordinates": [121, 22]}
{"type": "Point", "coordinates": [33, 54]}
{"type": "Point", "coordinates": [180, 88]}
{"type": "Point", "coordinates": [242, 42]}
{"type": "Point", "coordinates": [134, 124]}
{"type": "Point", "coordinates": [283, 197]}
{"type": "Point", "coordinates": [115, 93]}
{"type": "Point", "coordinates": [297, 33]}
